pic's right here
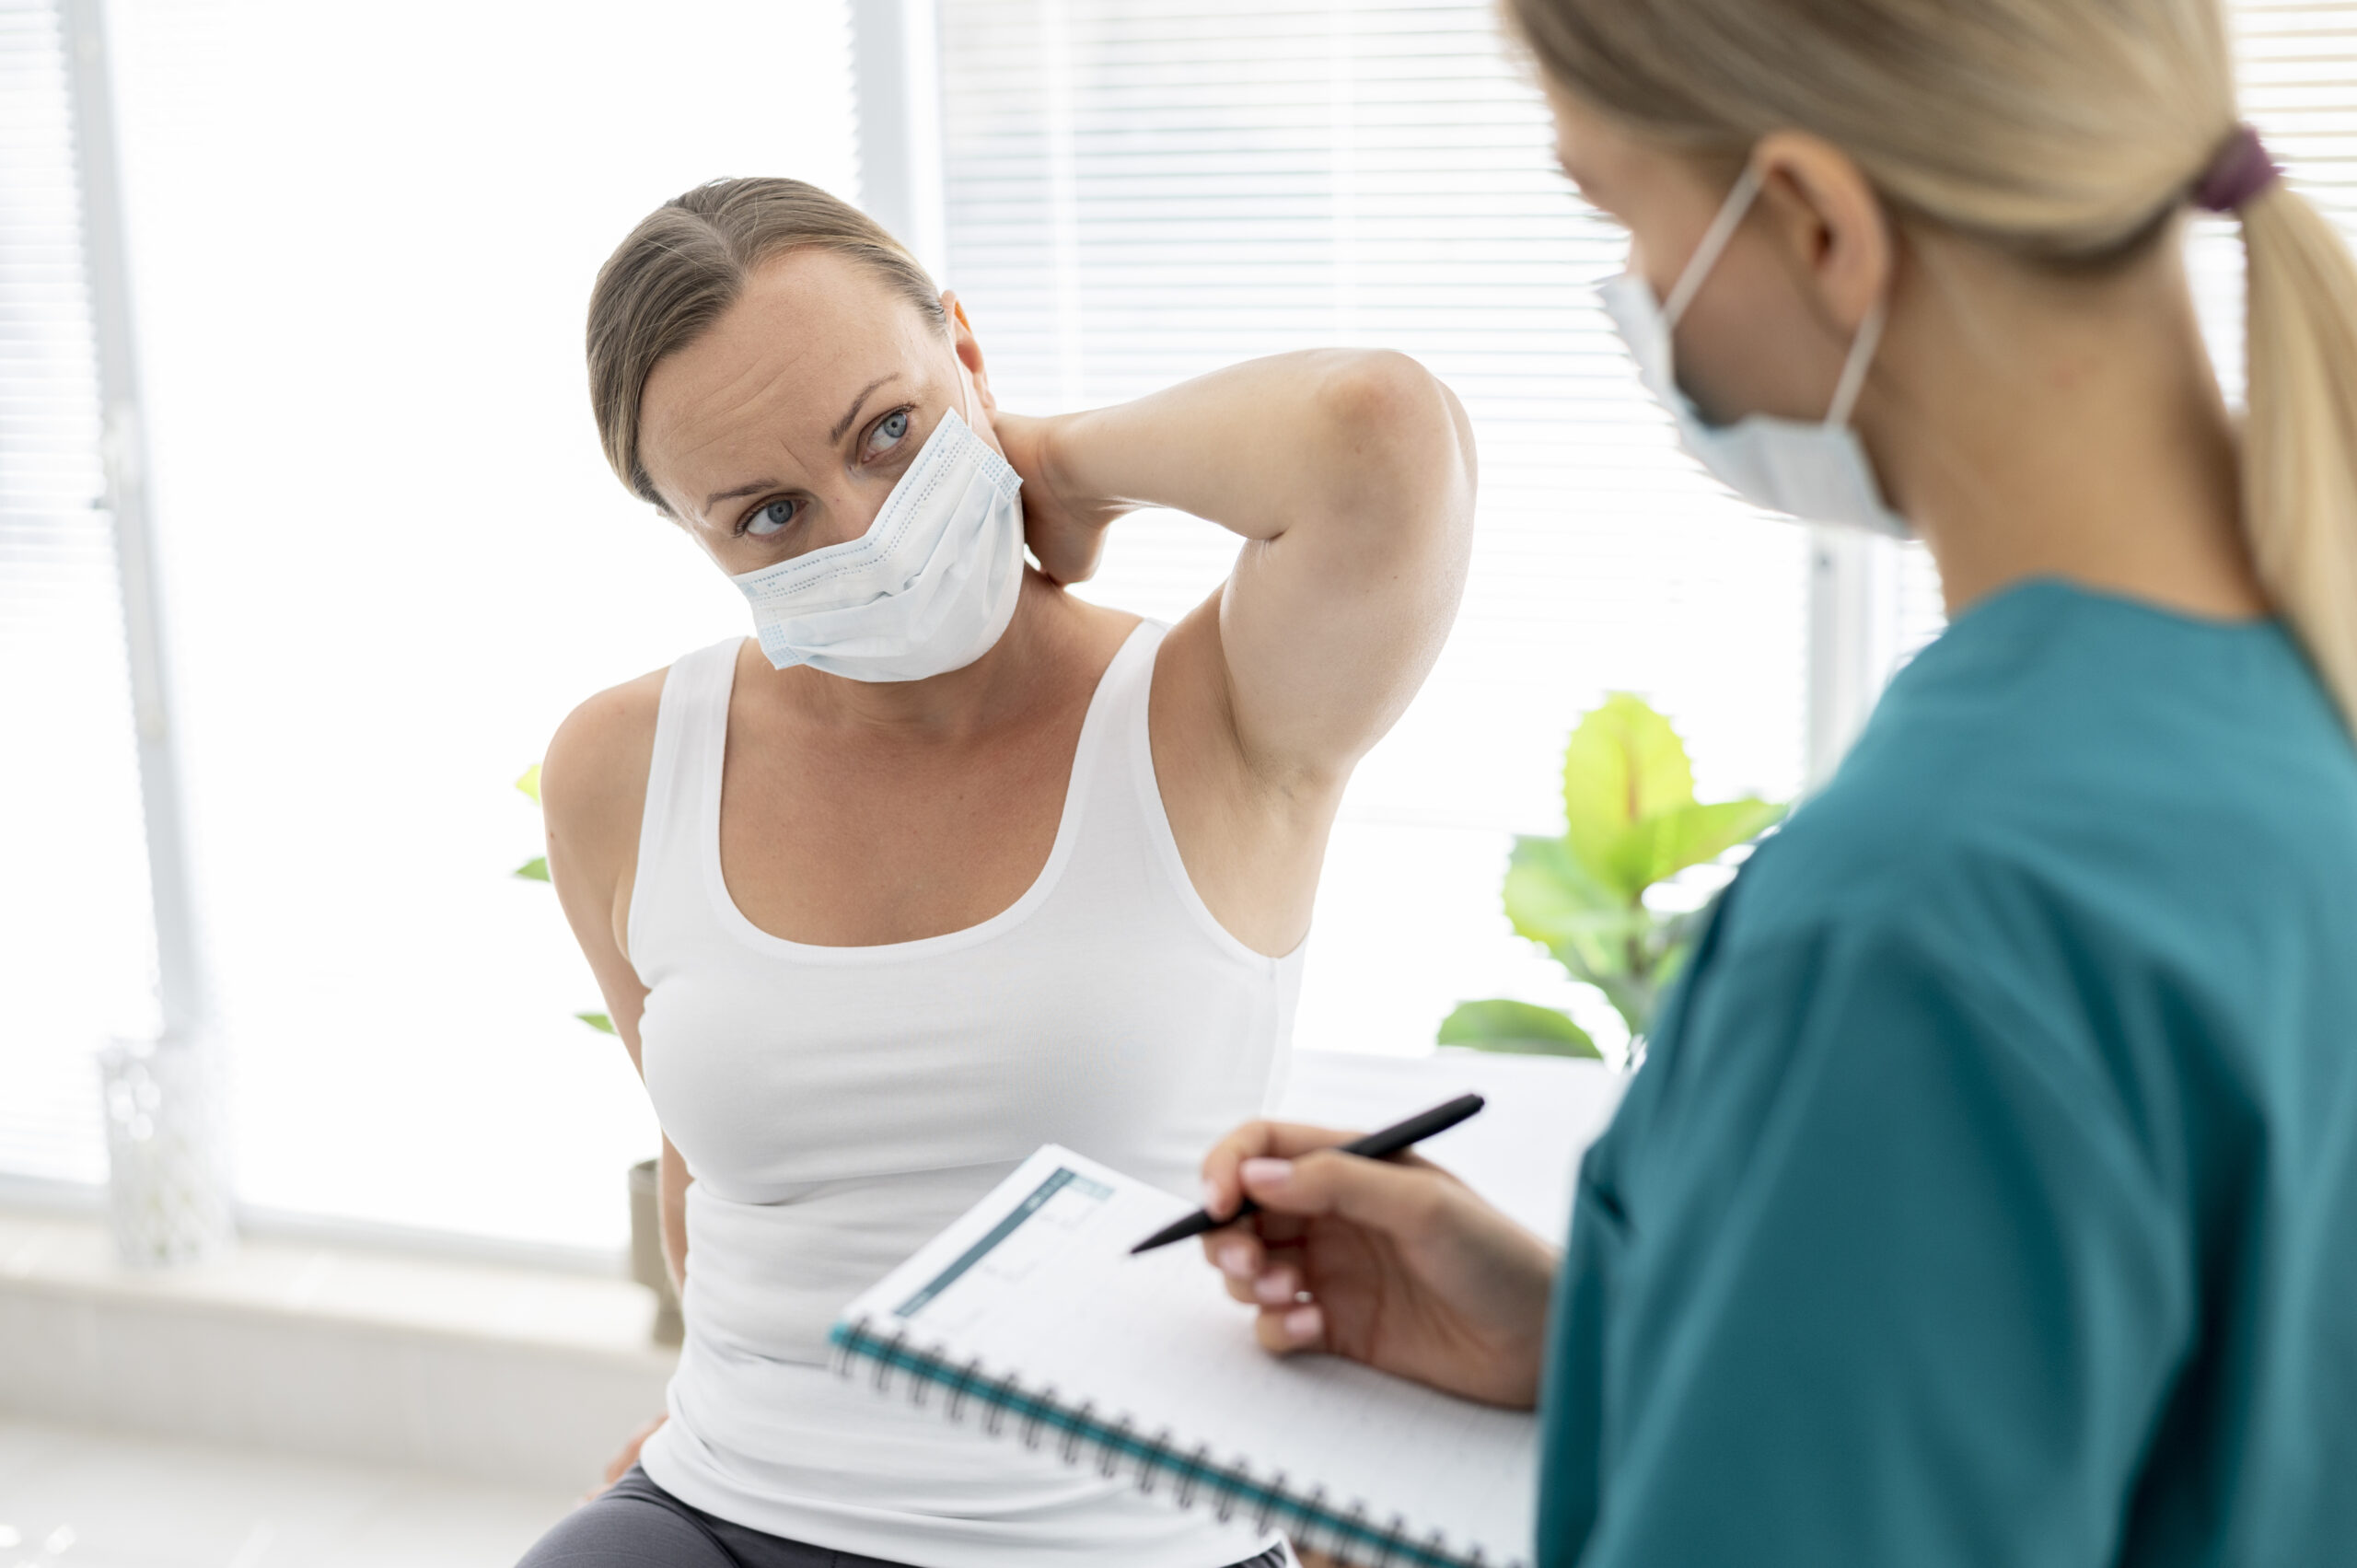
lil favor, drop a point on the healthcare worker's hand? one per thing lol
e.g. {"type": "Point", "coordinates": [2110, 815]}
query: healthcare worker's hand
{"type": "Point", "coordinates": [1064, 528]}
{"type": "Point", "coordinates": [1393, 1263]}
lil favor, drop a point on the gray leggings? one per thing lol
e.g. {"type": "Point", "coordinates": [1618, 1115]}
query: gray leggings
{"type": "Point", "coordinates": [636, 1524]}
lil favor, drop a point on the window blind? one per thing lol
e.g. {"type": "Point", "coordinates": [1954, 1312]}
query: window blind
{"type": "Point", "coordinates": [76, 935]}
{"type": "Point", "coordinates": [1139, 193]}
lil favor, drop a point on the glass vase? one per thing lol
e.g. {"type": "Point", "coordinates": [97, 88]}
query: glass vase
{"type": "Point", "coordinates": [646, 1262]}
{"type": "Point", "coordinates": [168, 1190]}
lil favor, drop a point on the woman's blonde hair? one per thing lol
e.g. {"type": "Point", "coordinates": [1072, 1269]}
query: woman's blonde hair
{"type": "Point", "coordinates": [688, 261]}
{"type": "Point", "coordinates": [2066, 131]}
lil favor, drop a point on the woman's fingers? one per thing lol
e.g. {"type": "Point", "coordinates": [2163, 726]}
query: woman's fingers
{"type": "Point", "coordinates": [1242, 1252]}
{"type": "Point", "coordinates": [1237, 1253]}
{"type": "Point", "coordinates": [1287, 1330]}
{"type": "Point", "coordinates": [1068, 550]}
{"type": "Point", "coordinates": [1021, 440]}
{"type": "Point", "coordinates": [621, 1463]}
{"type": "Point", "coordinates": [1253, 1271]}
{"type": "Point", "coordinates": [1254, 1140]}
{"type": "Point", "coordinates": [1396, 1198]}
{"type": "Point", "coordinates": [1278, 1285]}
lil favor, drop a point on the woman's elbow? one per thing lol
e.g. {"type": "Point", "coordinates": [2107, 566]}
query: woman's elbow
{"type": "Point", "coordinates": [1399, 438]}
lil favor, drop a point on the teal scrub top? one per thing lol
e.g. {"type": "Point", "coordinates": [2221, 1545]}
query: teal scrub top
{"type": "Point", "coordinates": [1989, 1192]}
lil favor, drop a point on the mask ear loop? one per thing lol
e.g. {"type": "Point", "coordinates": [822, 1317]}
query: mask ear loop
{"type": "Point", "coordinates": [1854, 370]}
{"type": "Point", "coordinates": [1714, 242]}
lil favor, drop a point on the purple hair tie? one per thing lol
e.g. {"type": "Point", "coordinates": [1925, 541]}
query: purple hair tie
{"type": "Point", "coordinates": [2240, 171]}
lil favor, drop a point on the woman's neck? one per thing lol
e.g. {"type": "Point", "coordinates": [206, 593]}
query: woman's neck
{"type": "Point", "coordinates": [2038, 426]}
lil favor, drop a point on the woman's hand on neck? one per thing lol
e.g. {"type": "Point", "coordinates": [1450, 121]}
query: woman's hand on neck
{"type": "Point", "coordinates": [2033, 423]}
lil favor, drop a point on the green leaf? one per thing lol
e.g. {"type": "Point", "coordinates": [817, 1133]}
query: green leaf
{"type": "Point", "coordinates": [1519, 1027]}
{"type": "Point", "coordinates": [597, 1021]}
{"type": "Point", "coordinates": [530, 782]}
{"type": "Point", "coordinates": [1694, 836]}
{"type": "Point", "coordinates": [1623, 764]}
{"type": "Point", "coordinates": [534, 869]}
{"type": "Point", "coordinates": [1550, 899]}
{"type": "Point", "coordinates": [1547, 889]}
{"type": "Point", "coordinates": [1657, 850]}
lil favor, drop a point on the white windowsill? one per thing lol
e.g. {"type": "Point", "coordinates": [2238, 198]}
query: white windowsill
{"type": "Point", "coordinates": [40, 1196]}
{"type": "Point", "coordinates": [488, 1371]}
{"type": "Point", "coordinates": [64, 1255]}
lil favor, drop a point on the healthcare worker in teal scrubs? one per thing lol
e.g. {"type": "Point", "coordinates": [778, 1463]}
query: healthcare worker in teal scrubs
{"type": "Point", "coordinates": [1988, 1194]}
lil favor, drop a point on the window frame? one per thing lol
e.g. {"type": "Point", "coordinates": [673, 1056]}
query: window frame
{"type": "Point", "coordinates": [180, 988]}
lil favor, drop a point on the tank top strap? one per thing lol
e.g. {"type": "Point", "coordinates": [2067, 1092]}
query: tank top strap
{"type": "Point", "coordinates": [682, 786]}
{"type": "Point", "coordinates": [1127, 683]}
{"type": "Point", "coordinates": [1123, 797]}
{"type": "Point", "coordinates": [1107, 787]}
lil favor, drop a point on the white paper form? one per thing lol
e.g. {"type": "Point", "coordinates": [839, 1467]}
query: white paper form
{"type": "Point", "coordinates": [1038, 1281]}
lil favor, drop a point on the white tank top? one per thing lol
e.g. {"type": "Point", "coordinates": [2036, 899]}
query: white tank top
{"type": "Point", "coordinates": [837, 1106]}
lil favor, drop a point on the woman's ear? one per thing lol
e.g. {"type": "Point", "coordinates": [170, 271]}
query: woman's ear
{"type": "Point", "coordinates": [967, 348]}
{"type": "Point", "coordinates": [1828, 224]}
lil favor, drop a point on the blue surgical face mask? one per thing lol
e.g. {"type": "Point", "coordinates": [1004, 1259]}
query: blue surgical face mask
{"type": "Point", "coordinates": [928, 588]}
{"type": "Point", "coordinates": [1817, 472]}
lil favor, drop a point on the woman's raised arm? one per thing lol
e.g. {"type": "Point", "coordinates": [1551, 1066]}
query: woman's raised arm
{"type": "Point", "coordinates": [1351, 475]}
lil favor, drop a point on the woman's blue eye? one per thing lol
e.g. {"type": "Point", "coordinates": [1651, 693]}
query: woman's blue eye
{"type": "Point", "coordinates": [769, 520]}
{"type": "Point", "coordinates": [889, 431]}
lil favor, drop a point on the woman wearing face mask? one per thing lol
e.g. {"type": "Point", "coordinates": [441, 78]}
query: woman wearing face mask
{"type": "Point", "coordinates": [947, 864]}
{"type": "Point", "coordinates": [1988, 1194]}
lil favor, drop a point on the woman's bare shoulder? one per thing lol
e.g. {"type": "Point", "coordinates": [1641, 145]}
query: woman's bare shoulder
{"type": "Point", "coordinates": [593, 781]}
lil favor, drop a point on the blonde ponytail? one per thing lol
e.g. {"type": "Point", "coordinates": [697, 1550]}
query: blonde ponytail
{"type": "Point", "coordinates": [2063, 131]}
{"type": "Point", "coordinates": [2300, 436]}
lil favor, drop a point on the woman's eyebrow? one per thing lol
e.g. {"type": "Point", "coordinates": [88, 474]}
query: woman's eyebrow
{"type": "Point", "coordinates": [857, 404]}
{"type": "Point", "coordinates": [717, 496]}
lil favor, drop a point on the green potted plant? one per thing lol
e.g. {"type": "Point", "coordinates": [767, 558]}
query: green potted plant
{"type": "Point", "coordinates": [1630, 823]}
{"type": "Point", "coordinates": [646, 1264]}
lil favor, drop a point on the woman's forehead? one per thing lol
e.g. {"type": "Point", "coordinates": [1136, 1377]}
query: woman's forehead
{"type": "Point", "coordinates": [1597, 156]}
{"type": "Point", "coordinates": [781, 367]}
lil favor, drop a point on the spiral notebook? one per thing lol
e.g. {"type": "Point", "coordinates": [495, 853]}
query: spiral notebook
{"type": "Point", "coordinates": [1028, 1321]}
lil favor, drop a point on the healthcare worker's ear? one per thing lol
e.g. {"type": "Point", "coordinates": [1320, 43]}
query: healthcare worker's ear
{"type": "Point", "coordinates": [1822, 214]}
{"type": "Point", "coordinates": [969, 349]}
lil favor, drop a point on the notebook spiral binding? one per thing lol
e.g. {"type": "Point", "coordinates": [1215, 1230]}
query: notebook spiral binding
{"type": "Point", "coordinates": [1080, 1433]}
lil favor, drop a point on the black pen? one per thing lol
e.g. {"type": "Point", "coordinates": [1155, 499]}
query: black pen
{"type": "Point", "coordinates": [1400, 1136]}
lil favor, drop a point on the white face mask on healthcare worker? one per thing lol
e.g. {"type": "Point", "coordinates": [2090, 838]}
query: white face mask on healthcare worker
{"type": "Point", "coordinates": [1817, 472]}
{"type": "Point", "coordinates": [928, 588]}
